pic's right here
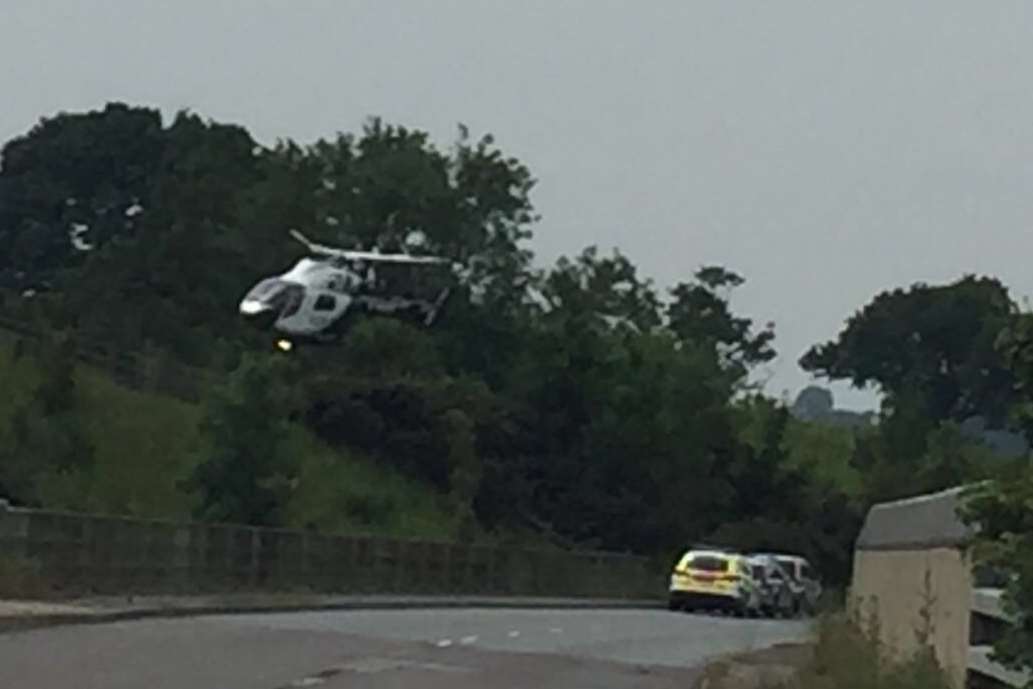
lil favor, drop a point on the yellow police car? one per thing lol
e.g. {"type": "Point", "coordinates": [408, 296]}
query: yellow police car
{"type": "Point", "coordinates": [714, 579]}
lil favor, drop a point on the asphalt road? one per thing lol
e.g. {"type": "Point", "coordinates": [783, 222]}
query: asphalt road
{"type": "Point", "coordinates": [458, 649]}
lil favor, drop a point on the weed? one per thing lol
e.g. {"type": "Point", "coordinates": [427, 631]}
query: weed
{"type": "Point", "coordinates": [849, 655]}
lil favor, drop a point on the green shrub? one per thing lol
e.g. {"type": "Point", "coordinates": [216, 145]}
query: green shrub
{"type": "Point", "coordinates": [1000, 512]}
{"type": "Point", "coordinates": [849, 656]}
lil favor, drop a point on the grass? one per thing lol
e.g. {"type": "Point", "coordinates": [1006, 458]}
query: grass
{"type": "Point", "coordinates": [347, 493]}
{"type": "Point", "coordinates": [843, 656]}
{"type": "Point", "coordinates": [18, 381]}
{"type": "Point", "coordinates": [145, 443]}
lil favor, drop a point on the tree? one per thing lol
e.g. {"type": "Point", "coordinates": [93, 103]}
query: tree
{"type": "Point", "coordinates": [245, 474]}
{"type": "Point", "coordinates": [604, 289]}
{"type": "Point", "coordinates": [287, 193]}
{"type": "Point", "coordinates": [787, 498]}
{"type": "Point", "coordinates": [47, 437]}
{"type": "Point", "coordinates": [701, 313]}
{"type": "Point", "coordinates": [1015, 344]}
{"type": "Point", "coordinates": [391, 189]}
{"type": "Point", "coordinates": [953, 459]}
{"type": "Point", "coordinates": [1000, 509]}
{"type": "Point", "coordinates": [177, 277]}
{"type": "Point", "coordinates": [931, 344]}
{"type": "Point", "coordinates": [465, 471]}
{"type": "Point", "coordinates": [629, 432]}
{"type": "Point", "coordinates": [657, 444]}
{"type": "Point", "coordinates": [825, 451]}
{"type": "Point", "coordinates": [942, 457]}
{"type": "Point", "coordinates": [765, 481]}
{"type": "Point", "coordinates": [76, 181]}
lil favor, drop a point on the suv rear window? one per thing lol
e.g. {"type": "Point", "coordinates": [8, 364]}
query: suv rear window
{"type": "Point", "coordinates": [790, 567]}
{"type": "Point", "coordinates": [708, 563]}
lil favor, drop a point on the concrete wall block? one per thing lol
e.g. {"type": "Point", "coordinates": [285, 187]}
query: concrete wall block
{"type": "Point", "coordinates": [911, 571]}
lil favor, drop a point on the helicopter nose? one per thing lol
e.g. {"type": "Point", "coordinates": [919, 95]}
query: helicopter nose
{"type": "Point", "coordinates": [252, 307]}
{"type": "Point", "coordinates": [257, 313]}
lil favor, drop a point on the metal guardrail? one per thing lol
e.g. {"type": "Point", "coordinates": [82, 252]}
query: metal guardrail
{"type": "Point", "coordinates": [980, 663]}
{"type": "Point", "coordinates": [60, 554]}
{"type": "Point", "coordinates": [987, 602]}
{"type": "Point", "coordinates": [988, 620]}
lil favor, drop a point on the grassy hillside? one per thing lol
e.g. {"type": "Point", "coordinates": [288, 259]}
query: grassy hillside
{"type": "Point", "coordinates": [145, 443]}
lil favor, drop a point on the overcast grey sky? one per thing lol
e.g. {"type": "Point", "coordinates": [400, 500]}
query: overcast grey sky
{"type": "Point", "coordinates": [825, 150]}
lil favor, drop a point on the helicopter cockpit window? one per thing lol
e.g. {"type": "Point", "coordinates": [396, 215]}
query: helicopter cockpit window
{"type": "Point", "coordinates": [325, 302]}
{"type": "Point", "coordinates": [292, 298]}
{"type": "Point", "coordinates": [265, 289]}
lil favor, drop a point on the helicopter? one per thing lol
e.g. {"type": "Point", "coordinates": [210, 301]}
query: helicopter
{"type": "Point", "coordinates": [321, 294]}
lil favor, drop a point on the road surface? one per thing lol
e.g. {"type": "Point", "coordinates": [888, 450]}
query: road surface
{"type": "Point", "coordinates": [431, 649]}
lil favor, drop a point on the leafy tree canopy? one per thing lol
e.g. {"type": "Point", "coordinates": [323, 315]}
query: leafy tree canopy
{"type": "Point", "coordinates": [933, 344]}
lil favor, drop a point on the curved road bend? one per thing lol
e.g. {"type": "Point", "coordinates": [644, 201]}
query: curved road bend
{"type": "Point", "coordinates": [430, 649]}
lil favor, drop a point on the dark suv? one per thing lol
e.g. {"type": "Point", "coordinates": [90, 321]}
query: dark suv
{"type": "Point", "coordinates": [777, 594]}
{"type": "Point", "coordinates": [804, 580]}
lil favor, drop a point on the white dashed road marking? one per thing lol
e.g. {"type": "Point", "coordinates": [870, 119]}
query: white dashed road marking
{"type": "Point", "coordinates": [467, 640]}
{"type": "Point", "coordinates": [314, 680]}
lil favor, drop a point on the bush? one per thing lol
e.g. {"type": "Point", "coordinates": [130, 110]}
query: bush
{"type": "Point", "coordinates": [999, 511]}
{"type": "Point", "coordinates": [847, 656]}
{"type": "Point", "coordinates": [246, 474]}
{"type": "Point", "coordinates": [844, 655]}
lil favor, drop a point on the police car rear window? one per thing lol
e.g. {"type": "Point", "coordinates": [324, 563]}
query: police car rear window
{"type": "Point", "coordinates": [708, 563]}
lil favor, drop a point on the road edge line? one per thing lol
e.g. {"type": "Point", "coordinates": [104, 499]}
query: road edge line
{"type": "Point", "coordinates": [20, 623]}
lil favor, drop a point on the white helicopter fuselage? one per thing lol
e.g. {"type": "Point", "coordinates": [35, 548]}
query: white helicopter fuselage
{"type": "Point", "coordinates": [312, 299]}
{"type": "Point", "coordinates": [306, 300]}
